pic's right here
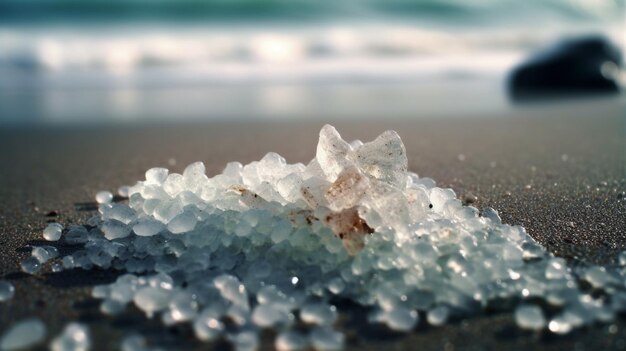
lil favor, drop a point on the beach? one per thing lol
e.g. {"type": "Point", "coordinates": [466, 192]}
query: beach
{"type": "Point", "coordinates": [560, 172]}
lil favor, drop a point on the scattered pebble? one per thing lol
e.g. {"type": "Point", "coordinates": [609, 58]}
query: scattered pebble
{"type": "Point", "coordinates": [104, 197]}
{"type": "Point", "coordinates": [438, 316]}
{"type": "Point", "coordinates": [30, 265]}
{"type": "Point", "coordinates": [23, 334]}
{"type": "Point", "coordinates": [7, 291]}
{"type": "Point", "coordinates": [75, 337]}
{"type": "Point", "coordinates": [53, 232]}
{"type": "Point", "coordinates": [123, 191]}
{"type": "Point", "coordinates": [530, 317]}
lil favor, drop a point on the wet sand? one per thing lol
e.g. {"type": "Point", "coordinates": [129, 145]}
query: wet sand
{"type": "Point", "coordinates": [559, 175]}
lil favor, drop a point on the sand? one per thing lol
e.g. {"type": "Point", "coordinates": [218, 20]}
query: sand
{"type": "Point", "coordinates": [557, 174]}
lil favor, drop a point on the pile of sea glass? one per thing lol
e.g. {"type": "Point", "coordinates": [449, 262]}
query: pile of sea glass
{"type": "Point", "coordinates": [273, 245]}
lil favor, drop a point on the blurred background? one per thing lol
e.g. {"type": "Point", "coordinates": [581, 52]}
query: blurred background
{"type": "Point", "coordinates": [120, 61]}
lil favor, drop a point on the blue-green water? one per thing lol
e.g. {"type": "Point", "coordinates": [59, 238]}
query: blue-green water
{"type": "Point", "coordinates": [450, 12]}
{"type": "Point", "coordinates": [133, 59]}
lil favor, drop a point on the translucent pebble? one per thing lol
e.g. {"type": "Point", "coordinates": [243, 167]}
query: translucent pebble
{"type": "Point", "coordinates": [23, 334]}
{"type": "Point", "coordinates": [271, 295]}
{"type": "Point", "coordinates": [323, 338]}
{"type": "Point", "coordinates": [183, 306]}
{"type": "Point", "coordinates": [194, 174]}
{"type": "Point", "coordinates": [120, 212]}
{"type": "Point", "coordinates": [232, 290]}
{"type": "Point", "coordinates": [148, 227]}
{"type": "Point", "coordinates": [31, 265]}
{"type": "Point", "coordinates": [492, 214]}
{"type": "Point", "coordinates": [76, 234]}
{"type": "Point", "coordinates": [68, 262]}
{"type": "Point", "coordinates": [7, 290]}
{"type": "Point", "coordinates": [57, 267]}
{"type": "Point", "coordinates": [556, 268]}
{"type": "Point", "coordinates": [75, 337]}
{"type": "Point", "coordinates": [207, 328]}
{"type": "Point", "coordinates": [112, 307]}
{"type": "Point", "coordinates": [318, 313]}
{"type": "Point", "coordinates": [266, 316]}
{"type": "Point", "coordinates": [156, 175]}
{"type": "Point", "coordinates": [44, 253]}
{"type": "Point", "coordinates": [123, 191]}
{"type": "Point", "coordinates": [336, 286]}
{"type": "Point", "coordinates": [100, 291]}
{"type": "Point", "coordinates": [597, 276]}
{"type": "Point", "coordinates": [53, 232]}
{"type": "Point", "coordinates": [384, 159]}
{"type": "Point", "coordinates": [281, 231]}
{"type": "Point", "coordinates": [182, 223]}
{"type": "Point", "coordinates": [114, 229]}
{"type": "Point", "coordinates": [152, 299]}
{"type": "Point", "coordinates": [401, 319]}
{"type": "Point", "coordinates": [291, 341]}
{"type": "Point", "coordinates": [438, 316]}
{"type": "Point", "coordinates": [622, 258]}
{"type": "Point", "coordinates": [332, 152]}
{"type": "Point", "coordinates": [104, 197]}
{"type": "Point", "coordinates": [560, 325]}
{"type": "Point", "coordinates": [530, 317]}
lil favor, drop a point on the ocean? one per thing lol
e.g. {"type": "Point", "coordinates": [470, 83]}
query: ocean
{"type": "Point", "coordinates": [138, 60]}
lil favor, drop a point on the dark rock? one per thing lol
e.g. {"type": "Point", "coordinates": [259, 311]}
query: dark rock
{"type": "Point", "coordinates": [571, 67]}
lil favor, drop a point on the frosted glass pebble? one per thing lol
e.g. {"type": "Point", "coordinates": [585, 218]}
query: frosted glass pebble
{"type": "Point", "coordinates": [268, 315]}
{"type": "Point", "coordinates": [152, 299]}
{"type": "Point", "coordinates": [7, 291]}
{"type": "Point", "coordinates": [75, 337]}
{"type": "Point", "coordinates": [44, 253]}
{"type": "Point", "coordinates": [23, 334]}
{"type": "Point", "coordinates": [323, 338]}
{"type": "Point", "coordinates": [556, 268]}
{"type": "Point", "coordinates": [114, 229]}
{"type": "Point", "coordinates": [31, 265]}
{"type": "Point", "coordinates": [112, 307]}
{"type": "Point", "coordinates": [559, 325]}
{"type": "Point", "coordinates": [401, 319]}
{"type": "Point", "coordinates": [530, 317]}
{"type": "Point", "coordinates": [207, 328]}
{"type": "Point", "coordinates": [76, 234]}
{"type": "Point", "coordinates": [597, 276]}
{"type": "Point", "coordinates": [53, 232]}
{"type": "Point", "coordinates": [156, 175]}
{"type": "Point", "coordinates": [123, 191]}
{"type": "Point", "coordinates": [104, 197]}
{"type": "Point", "coordinates": [148, 227]}
{"type": "Point", "coordinates": [336, 286]}
{"type": "Point", "coordinates": [318, 313]}
{"type": "Point", "coordinates": [182, 223]}
{"type": "Point", "coordinates": [438, 315]}
{"type": "Point", "coordinates": [291, 341]}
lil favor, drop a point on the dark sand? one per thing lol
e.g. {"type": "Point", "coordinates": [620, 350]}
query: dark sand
{"type": "Point", "coordinates": [571, 206]}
